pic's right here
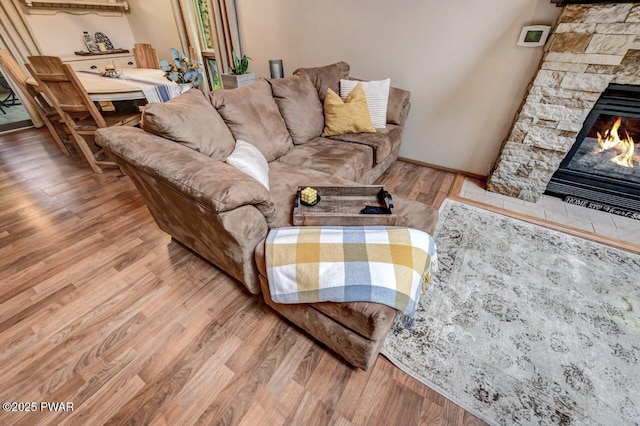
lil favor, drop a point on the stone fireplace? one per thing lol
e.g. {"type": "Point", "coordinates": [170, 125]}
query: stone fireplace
{"type": "Point", "coordinates": [602, 169]}
{"type": "Point", "coordinates": [592, 47]}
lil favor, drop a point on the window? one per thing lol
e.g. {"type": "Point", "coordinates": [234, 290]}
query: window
{"type": "Point", "coordinates": [204, 24]}
{"type": "Point", "coordinates": [206, 41]}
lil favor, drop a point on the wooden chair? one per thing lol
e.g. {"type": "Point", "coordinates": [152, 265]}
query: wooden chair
{"type": "Point", "coordinates": [81, 116]}
{"type": "Point", "coordinates": [146, 56]}
{"type": "Point", "coordinates": [47, 112]}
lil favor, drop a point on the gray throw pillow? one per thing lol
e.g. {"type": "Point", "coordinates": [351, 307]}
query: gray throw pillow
{"type": "Point", "coordinates": [327, 77]}
{"type": "Point", "coordinates": [190, 120]}
{"type": "Point", "coordinates": [300, 107]}
{"type": "Point", "coordinates": [253, 116]}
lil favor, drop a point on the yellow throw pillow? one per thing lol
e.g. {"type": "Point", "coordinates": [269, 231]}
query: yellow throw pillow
{"type": "Point", "coordinates": [348, 116]}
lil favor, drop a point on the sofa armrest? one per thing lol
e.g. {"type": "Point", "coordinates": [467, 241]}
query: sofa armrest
{"type": "Point", "coordinates": [209, 182]}
{"type": "Point", "coordinates": [398, 107]}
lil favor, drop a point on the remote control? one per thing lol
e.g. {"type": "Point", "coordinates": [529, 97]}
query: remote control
{"type": "Point", "coordinates": [375, 210]}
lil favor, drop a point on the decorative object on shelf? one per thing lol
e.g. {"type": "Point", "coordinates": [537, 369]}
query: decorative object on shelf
{"type": "Point", "coordinates": [182, 70]}
{"type": "Point", "coordinates": [90, 42]}
{"type": "Point", "coordinates": [238, 75]}
{"type": "Point", "coordinates": [102, 38]}
{"type": "Point", "coordinates": [534, 35]}
{"type": "Point", "coordinates": [106, 52]}
{"type": "Point", "coordinates": [276, 68]}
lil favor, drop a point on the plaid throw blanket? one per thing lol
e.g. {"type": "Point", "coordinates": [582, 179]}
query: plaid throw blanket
{"type": "Point", "coordinates": [153, 91]}
{"type": "Point", "coordinates": [160, 93]}
{"type": "Point", "coordinates": [387, 265]}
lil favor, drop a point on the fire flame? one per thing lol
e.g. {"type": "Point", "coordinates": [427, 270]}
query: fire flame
{"type": "Point", "coordinates": [624, 148]}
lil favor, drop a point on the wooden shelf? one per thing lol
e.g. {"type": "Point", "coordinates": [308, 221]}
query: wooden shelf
{"type": "Point", "coordinates": [78, 5]}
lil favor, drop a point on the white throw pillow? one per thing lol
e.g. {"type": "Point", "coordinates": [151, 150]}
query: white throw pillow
{"type": "Point", "coordinates": [248, 159]}
{"type": "Point", "coordinates": [377, 94]}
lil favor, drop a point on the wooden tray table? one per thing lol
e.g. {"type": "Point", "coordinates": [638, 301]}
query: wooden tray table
{"type": "Point", "coordinates": [341, 206]}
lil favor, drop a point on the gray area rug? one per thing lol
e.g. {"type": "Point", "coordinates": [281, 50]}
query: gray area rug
{"type": "Point", "coordinates": [526, 325]}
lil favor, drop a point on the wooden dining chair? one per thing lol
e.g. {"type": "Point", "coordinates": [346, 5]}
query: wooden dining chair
{"type": "Point", "coordinates": [81, 116]}
{"type": "Point", "coordinates": [34, 96]}
{"type": "Point", "coordinates": [146, 56]}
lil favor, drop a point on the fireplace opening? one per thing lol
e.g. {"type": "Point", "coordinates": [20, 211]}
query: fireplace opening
{"type": "Point", "coordinates": [602, 169]}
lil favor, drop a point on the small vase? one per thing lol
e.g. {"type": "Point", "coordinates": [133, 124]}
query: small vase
{"type": "Point", "coordinates": [230, 81]}
{"type": "Point", "coordinates": [184, 87]}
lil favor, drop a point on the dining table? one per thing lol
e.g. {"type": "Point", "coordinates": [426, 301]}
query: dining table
{"type": "Point", "coordinates": [129, 84]}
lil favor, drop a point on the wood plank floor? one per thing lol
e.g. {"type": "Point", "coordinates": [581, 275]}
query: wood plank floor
{"type": "Point", "coordinates": [100, 308]}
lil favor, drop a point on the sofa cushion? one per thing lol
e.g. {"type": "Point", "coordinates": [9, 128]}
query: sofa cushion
{"type": "Point", "coordinates": [377, 94]}
{"type": "Point", "coordinates": [345, 160]}
{"type": "Point", "coordinates": [253, 116]}
{"type": "Point", "coordinates": [190, 120]}
{"type": "Point", "coordinates": [284, 181]}
{"type": "Point", "coordinates": [327, 77]}
{"type": "Point", "coordinates": [300, 107]}
{"type": "Point", "coordinates": [350, 115]}
{"type": "Point", "coordinates": [370, 320]}
{"type": "Point", "coordinates": [383, 141]}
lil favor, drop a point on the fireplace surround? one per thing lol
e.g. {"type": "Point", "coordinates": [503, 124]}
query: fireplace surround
{"type": "Point", "coordinates": [603, 166]}
{"type": "Point", "coordinates": [591, 47]}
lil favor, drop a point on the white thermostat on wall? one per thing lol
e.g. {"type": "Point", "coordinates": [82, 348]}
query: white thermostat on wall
{"type": "Point", "coordinates": [534, 35]}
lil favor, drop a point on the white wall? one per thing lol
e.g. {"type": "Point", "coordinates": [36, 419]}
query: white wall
{"type": "Point", "coordinates": [458, 58]}
{"type": "Point", "coordinates": [152, 22]}
{"type": "Point", "coordinates": [149, 21]}
{"type": "Point", "coordinates": [61, 34]}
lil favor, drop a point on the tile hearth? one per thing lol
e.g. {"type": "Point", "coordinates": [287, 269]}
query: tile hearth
{"type": "Point", "coordinates": [555, 210]}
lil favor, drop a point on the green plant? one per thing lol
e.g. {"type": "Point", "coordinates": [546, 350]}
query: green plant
{"type": "Point", "coordinates": [182, 69]}
{"type": "Point", "coordinates": [240, 65]}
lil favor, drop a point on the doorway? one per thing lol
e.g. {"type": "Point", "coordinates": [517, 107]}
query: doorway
{"type": "Point", "coordinates": [12, 113]}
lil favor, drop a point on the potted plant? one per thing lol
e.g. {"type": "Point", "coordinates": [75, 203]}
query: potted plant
{"type": "Point", "coordinates": [184, 71]}
{"type": "Point", "coordinates": [238, 75]}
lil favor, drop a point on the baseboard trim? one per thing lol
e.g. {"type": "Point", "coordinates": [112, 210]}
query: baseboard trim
{"type": "Point", "coordinates": [16, 125]}
{"type": "Point", "coordinates": [444, 169]}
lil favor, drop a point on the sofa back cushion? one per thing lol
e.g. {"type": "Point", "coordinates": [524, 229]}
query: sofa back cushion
{"type": "Point", "coordinates": [300, 107]}
{"type": "Point", "coordinates": [327, 77]}
{"type": "Point", "coordinates": [190, 120]}
{"type": "Point", "coordinates": [252, 115]}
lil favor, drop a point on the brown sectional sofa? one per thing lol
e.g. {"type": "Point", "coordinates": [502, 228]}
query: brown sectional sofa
{"type": "Point", "coordinates": [224, 215]}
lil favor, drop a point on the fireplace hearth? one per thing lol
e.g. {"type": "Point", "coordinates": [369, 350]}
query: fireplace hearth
{"type": "Point", "coordinates": [602, 169]}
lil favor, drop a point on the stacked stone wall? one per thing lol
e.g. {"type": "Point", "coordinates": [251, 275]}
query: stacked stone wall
{"type": "Point", "coordinates": [591, 47]}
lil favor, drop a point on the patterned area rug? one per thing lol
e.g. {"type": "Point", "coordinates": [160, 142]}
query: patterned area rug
{"type": "Point", "coordinates": [525, 325]}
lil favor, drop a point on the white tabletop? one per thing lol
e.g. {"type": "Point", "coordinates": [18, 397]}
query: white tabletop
{"type": "Point", "coordinates": [102, 88]}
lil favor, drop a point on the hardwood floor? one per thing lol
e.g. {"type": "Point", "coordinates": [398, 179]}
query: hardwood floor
{"type": "Point", "coordinates": [100, 308]}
